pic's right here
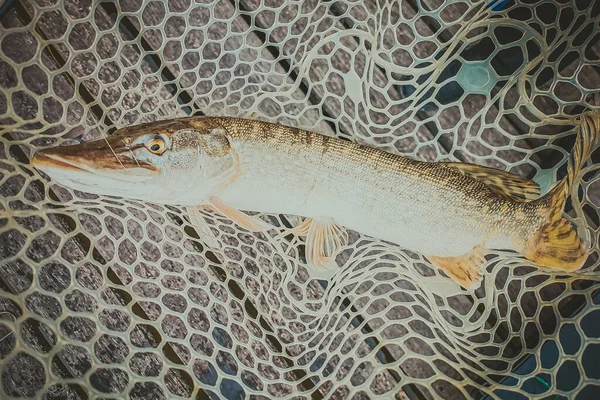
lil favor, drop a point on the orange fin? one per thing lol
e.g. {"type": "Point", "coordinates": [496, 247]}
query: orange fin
{"type": "Point", "coordinates": [324, 240]}
{"type": "Point", "coordinates": [557, 246]}
{"type": "Point", "coordinates": [206, 235]}
{"type": "Point", "coordinates": [465, 270]}
{"type": "Point", "coordinates": [253, 224]}
{"type": "Point", "coordinates": [504, 183]}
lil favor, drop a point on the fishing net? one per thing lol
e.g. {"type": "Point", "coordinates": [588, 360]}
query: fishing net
{"type": "Point", "coordinates": [111, 298]}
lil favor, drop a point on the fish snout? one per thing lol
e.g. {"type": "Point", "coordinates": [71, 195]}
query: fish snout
{"type": "Point", "coordinates": [54, 158]}
{"type": "Point", "coordinates": [95, 155]}
{"type": "Point", "coordinates": [104, 157]}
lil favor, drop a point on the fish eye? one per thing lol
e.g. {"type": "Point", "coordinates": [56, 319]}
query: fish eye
{"type": "Point", "coordinates": [156, 146]}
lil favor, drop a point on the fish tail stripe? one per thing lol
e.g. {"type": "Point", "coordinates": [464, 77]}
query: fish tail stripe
{"type": "Point", "coordinates": [557, 246]}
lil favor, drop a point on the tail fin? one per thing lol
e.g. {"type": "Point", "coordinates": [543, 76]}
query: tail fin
{"type": "Point", "coordinates": [556, 244]}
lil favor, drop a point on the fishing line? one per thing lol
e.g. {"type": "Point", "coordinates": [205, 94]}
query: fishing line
{"type": "Point", "coordinates": [128, 147]}
{"type": "Point", "coordinates": [112, 151]}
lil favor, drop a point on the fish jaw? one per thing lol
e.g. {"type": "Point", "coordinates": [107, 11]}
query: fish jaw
{"type": "Point", "coordinates": [105, 157]}
{"type": "Point", "coordinates": [98, 158]}
{"type": "Point", "coordinates": [95, 167]}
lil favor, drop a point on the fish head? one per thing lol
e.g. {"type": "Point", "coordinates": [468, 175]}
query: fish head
{"type": "Point", "coordinates": [170, 162]}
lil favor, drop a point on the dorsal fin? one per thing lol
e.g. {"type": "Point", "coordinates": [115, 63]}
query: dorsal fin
{"type": "Point", "coordinates": [504, 183]}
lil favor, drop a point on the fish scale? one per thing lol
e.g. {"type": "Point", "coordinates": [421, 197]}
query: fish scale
{"type": "Point", "coordinates": [421, 206]}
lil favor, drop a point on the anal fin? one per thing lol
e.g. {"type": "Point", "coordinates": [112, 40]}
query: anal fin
{"type": "Point", "coordinates": [504, 183]}
{"type": "Point", "coordinates": [202, 228]}
{"type": "Point", "coordinates": [324, 239]}
{"type": "Point", "coordinates": [466, 270]}
{"type": "Point", "coordinates": [253, 224]}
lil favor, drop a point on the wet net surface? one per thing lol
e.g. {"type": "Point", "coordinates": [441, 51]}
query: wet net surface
{"type": "Point", "coordinates": [111, 298]}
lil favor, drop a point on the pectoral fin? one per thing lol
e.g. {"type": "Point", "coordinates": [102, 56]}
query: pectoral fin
{"type": "Point", "coordinates": [324, 239]}
{"type": "Point", "coordinates": [504, 183]}
{"type": "Point", "coordinates": [466, 270]}
{"type": "Point", "coordinates": [207, 236]}
{"type": "Point", "coordinates": [253, 224]}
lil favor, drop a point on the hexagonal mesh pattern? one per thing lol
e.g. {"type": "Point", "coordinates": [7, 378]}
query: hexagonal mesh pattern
{"type": "Point", "coordinates": [103, 297]}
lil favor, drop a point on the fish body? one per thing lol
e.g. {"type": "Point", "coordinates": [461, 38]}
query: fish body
{"type": "Point", "coordinates": [449, 212]}
{"type": "Point", "coordinates": [426, 207]}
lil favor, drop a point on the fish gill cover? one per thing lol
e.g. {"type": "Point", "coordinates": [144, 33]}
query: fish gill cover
{"type": "Point", "coordinates": [105, 297]}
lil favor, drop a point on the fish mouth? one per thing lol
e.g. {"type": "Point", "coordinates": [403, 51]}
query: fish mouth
{"type": "Point", "coordinates": [43, 161]}
{"type": "Point", "coordinates": [101, 158]}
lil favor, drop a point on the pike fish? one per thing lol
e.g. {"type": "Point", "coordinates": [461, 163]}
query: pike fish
{"type": "Point", "coordinates": [451, 213]}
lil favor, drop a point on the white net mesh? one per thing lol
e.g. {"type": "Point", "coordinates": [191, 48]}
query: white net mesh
{"type": "Point", "coordinates": [105, 298]}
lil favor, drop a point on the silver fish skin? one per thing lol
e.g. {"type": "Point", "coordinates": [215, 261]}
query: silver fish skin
{"type": "Point", "coordinates": [426, 207]}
